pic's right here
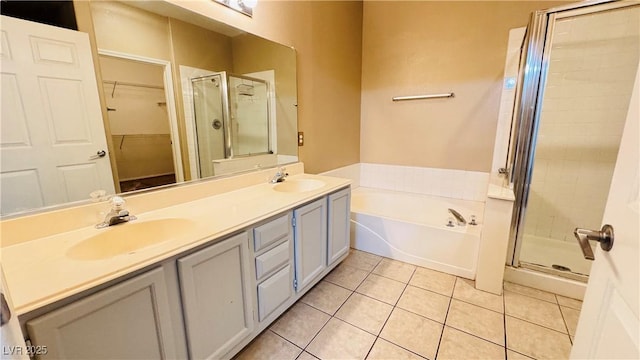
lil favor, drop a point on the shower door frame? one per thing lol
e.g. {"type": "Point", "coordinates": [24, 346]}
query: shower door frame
{"type": "Point", "coordinates": [232, 155]}
{"type": "Point", "coordinates": [226, 137]}
{"type": "Point", "coordinates": [532, 86]}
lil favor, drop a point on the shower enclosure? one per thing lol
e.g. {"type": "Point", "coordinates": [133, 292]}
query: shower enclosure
{"type": "Point", "coordinates": [231, 118]}
{"type": "Point", "coordinates": [578, 66]}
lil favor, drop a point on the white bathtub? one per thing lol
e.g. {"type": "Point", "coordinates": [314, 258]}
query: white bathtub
{"type": "Point", "coordinates": [412, 228]}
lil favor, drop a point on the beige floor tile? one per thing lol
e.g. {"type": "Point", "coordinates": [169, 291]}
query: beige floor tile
{"type": "Point", "coordinates": [300, 324]}
{"type": "Point", "coordinates": [306, 356]}
{"type": "Point", "coordinates": [384, 350]}
{"type": "Point", "coordinates": [477, 321]}
{"type": "Point", "coordinates": [569, 302]}
{"type": "Point", "coordinates": [362, 260]}
{"type": "Point", "coordinates": [536, 341]}
{"type": "Point", "coordinates": [339, 340]}
{"type": "Point", "coordinates": [465, 290]}
{"type": "Point", "coordinates": [347, 276]}
{"type": "Point", "coordinates": [364, 312]}
{"type": "Point", "coordinates": [327, 297]}
{"type": "Point", "coordinates": [433, 280]}
{"type": "Point", "coordinates": [512, 355]}
{"type": "Point", "coordinates": [396, 270]}
{"type": "Point", "coordinates": [459, 345]}
{"type": "Point", "coordinates": [412, 332]}
{"type": "Point", "coordinates": [269, 346]}
{"type": "Point", "coordinates": [525, 290]}
{"type": "Point", "coordinates": [534, 310]}
{"type": "Point", "coordinates": [424, 302]}
{"type": "Point", "coordinates": [381, 288]}
{"type": "Point", "coordinates": [570, 318]}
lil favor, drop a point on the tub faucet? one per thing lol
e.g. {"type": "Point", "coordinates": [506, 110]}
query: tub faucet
{"type": "Point", "coordinates": [117, 215]}
{"type": "Point", "coordinates": [279, 176]}
{"type": "Point", "coordinates": [459, 218]}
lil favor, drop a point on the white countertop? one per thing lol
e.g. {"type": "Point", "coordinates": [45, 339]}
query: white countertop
{"type": "Point", "coordinates": [40, 272]}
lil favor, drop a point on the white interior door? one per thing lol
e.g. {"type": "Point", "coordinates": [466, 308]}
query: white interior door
{"type": "Point", "coordinates": [52, 128]}
{"type": "Point", "coordinates": [609, 325]}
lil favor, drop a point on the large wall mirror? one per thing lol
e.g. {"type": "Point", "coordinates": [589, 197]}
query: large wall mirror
{"type": "Point", "coordinates": [186, 98]}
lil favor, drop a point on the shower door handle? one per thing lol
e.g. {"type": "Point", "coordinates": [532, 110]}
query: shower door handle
{"type": "Point", "coordinates": [604, 236]}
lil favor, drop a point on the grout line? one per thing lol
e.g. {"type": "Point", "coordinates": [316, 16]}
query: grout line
{"type": "Point", "coordinates": [284, 338]}
{"type": "Point", "coordinates": [445, 317]}
{"type": "Point", "coordinates": [388, 317]}
{"type": "Point", "coordinates": [480, 306]}
{"type": "Point", "coordinates": [531, 296]}
{"type": "Point", "coordinates": [532, 323]}
{"type": "Point", "coordinates": [504, 322]}
{"type": "Point", "coordinates": [566, 326]}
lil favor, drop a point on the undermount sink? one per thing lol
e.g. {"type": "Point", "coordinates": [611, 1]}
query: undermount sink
{"type": "Point", "coordinates": [127, 238]}
{"type": "Point", "coordinates": [300, 185]}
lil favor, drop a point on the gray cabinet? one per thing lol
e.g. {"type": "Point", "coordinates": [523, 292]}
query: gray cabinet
{"type": "Point", "coordinates": [273, 265]}
{"type": "Point", "coordinates": [130, 320]}
{"type": "Point", "coordinates": [339, 212]}
{"type": "Point", "coordinates": [310, 242]}
{"type": "Point", "coordinates": [216, 297]}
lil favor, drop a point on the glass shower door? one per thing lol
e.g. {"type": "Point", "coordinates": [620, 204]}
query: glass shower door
{"type": "Point", "coordinates": [591, 59]}
{"type": "Point", "coordinates": [208, 102]}
{"type": "Point", "coordinates": [249, 115]}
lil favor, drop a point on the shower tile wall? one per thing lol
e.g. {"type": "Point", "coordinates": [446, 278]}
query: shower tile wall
{"type": "Point", "coordinates": [591, 73]}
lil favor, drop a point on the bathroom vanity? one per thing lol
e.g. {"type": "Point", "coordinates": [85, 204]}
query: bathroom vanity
{"type": "Point", "coordinates": [241, 259]}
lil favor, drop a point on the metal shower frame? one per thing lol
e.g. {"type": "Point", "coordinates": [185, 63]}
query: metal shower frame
{"type": "Point", "coordinates": [532, 77]}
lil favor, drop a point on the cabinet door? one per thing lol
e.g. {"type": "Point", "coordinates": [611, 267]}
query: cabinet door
{"type": "Point", "coordinates": [339, 215]}
{"type": "Point", "coordinates": [127, 321]}
{"type": "Point", "coordinates": [216, 297]}
{"type": "Point", "coordinates": [274, 292]}
{"type": "Point", "coordinates": [310, 241]}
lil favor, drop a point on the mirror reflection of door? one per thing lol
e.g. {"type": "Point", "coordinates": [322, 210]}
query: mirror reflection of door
{"type": "Point", "coordinates": [139, 123]}
{"type": "Point", "coordinates": [52, 144]}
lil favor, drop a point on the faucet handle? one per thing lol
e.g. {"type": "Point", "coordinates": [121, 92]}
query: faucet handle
{"type": "Point", "coordinates": [117, 203]}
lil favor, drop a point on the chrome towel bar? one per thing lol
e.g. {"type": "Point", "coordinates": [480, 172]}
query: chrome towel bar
{"type": "Point", "coordinates": [422, 97]}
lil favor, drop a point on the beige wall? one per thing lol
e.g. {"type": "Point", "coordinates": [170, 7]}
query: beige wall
{"type": "Point", "coordinates": [424, 47]}
{"type": "Point", "coordinates": [327, 38]}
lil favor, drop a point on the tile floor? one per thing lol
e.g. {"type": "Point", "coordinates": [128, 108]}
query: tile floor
{"type": "Point", "coordinates": [377, 308]}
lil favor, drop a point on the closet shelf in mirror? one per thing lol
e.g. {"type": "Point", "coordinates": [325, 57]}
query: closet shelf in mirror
{"type": "Point", "coordinates": [124, 83]}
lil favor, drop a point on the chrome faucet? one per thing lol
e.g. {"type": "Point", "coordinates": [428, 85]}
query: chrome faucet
{"type": "Point", "coordinates": [459, 218]}
{"type": "Point", "coordinates": [117, 215]}
{"type": "Point", "coordinates": [279, 176]}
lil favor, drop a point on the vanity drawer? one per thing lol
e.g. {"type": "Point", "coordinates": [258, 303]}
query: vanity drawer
{"type": "Point", "coordinates": [272, 260]}
{"type": "Point", "coordinates": [274, 292]}
{"type": "Point", "coordinates": [271, 232]}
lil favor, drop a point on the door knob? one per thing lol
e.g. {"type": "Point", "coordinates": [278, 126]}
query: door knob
{"type": "Point", "coordinates": [98, 155]}
{"type": "Point", "coordinates": [604, 236]}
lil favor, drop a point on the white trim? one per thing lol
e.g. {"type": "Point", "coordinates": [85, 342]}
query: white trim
{"type": "Point", "coordinates": [169, 97]}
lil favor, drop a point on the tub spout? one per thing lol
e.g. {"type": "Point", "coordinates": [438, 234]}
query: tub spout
{"type": "Point", "coordinates": [459, 218]}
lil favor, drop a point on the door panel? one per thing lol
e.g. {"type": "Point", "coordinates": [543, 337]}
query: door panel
{"type": "Point", "coordinates": [215, 294]}
{"type": "Point", "coordinates": [310, 242]}
{"type": "Point", "coordinates": [609, 321]}
{"type": "Point", "coordinates": [51, 118]}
